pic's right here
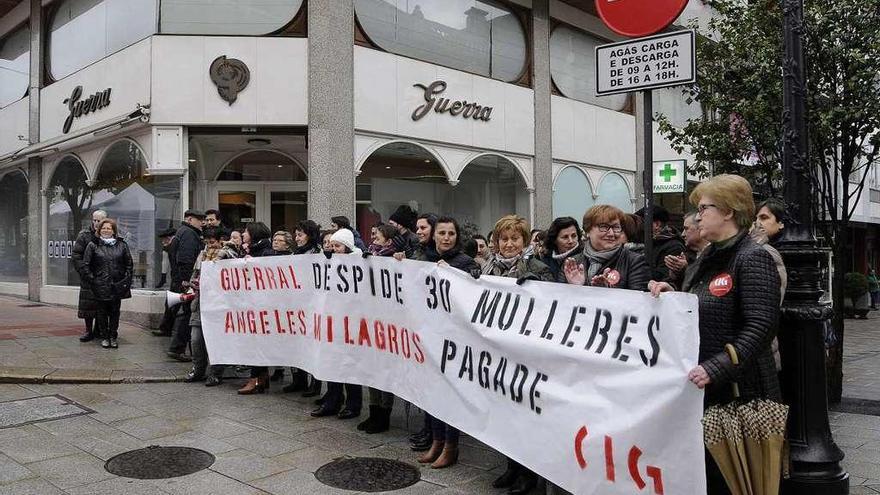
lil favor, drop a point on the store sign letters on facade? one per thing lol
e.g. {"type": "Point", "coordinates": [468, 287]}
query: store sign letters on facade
{"type": "Point", "coordinates": [79, 107]}
{"type": "Point", "coordinates": [442, 105]}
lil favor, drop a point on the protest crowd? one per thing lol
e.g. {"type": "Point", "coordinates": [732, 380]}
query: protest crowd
{"type": "Point", "coordinates": [724, 255]}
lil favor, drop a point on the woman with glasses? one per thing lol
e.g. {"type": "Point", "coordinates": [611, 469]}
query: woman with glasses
{"type": "Point", "coordinates": [738, 288]}
{"type": "Point", "coordinates": [605, 261]}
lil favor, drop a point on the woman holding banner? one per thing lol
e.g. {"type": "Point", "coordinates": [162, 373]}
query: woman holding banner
{"type": "Point", "coordinates": [605, 261]}
{"type": "Point", "coordinates": [511, 236]}
{"type": "Point", "coordinates": [257, 241]}
{"type": "Point", "coordinates": [445, 250]}
{"type": "Point", "coordinates": [562, 242]}
{"type": "Point", "coordinates": [341, 242]}
{"type": "Point", "coordinates": [738, 288]}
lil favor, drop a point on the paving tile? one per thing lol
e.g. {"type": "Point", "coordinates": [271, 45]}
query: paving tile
{"type": "Point", "coordinates": [30, 487]}
{"type": "Point", "coordinates": [150, 427]}
{"type": "Point", "coordinates": [310, 459]}
{"type": "Point", "coordinates": [36, 446]}
{"type": "Point", "coordinates": [9, 391]}
{"type": "Point", "coordinates": [196, 441]}
{"type": "Point", "coordinates": [243, 465]}
{"type": "Point", "coordinates": [220, 427]}
{"type": "Point", "coordinates": [117, 486]}
{"type": "Point", "coordinates": [348, 441]}
{"type": "Point", "coordinates": [11, 471]}
{"type": "Point", "coordinates": [265, 443]}
{"type": "Point", "coordinates": [296, 483]}
{"type": "Point", "coordinates": [78, 376]}
{"type": "Point", "coordinates": [205, 483]}
{"type": "Point", "coordinates": [70, 471]}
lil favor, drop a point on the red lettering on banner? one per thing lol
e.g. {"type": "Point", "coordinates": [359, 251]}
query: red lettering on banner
{"type": "Point", "coordinates": [270, 278]}
{"type": "Point", "coordinates": [579, 438]}
{"type": "Point", "coordinates": [293, 277]}
{"type": "Point", "coordinates": [278, 327]}
{"type": "Point", "coordinates": [346, 335]}
{"type": "Point", "coordinates": [392, 339]}
{"type": "Point", "coordinates": [420, 354]}
{"type": "Point", "coordinates": [229, 326]}
{"type": "Point", "coordinates": [246, 278]}
{"type": "Point", "coordinates": [404, 343]}
{"type": "Point", "coordinates": [301, 315]}
{"type": "Point", "coordinates": [252, 321]}
{"type": "Point", "coordinates": [316, 328]}
{"type": "Point", "coordinates": [633, 463]}
{"type": "Point", "coordinates": [282, 279]}
{"type": "Point", "coordinates": [264, 322]}
{"type": "Point", "coordinates": [242, 321]}
{"type": "Point", "coordinates": [609, 458]}
{"type": "Point", "coordinates": [379, 335]}
{"type": "Point", "coordinates": [364, 333]}
{"type": "Point", "coordinates": [258, 279]}
{"type": "Point", "coordinates": [330, 328]}
{"type": "Point", "coordinates": [224, 279]}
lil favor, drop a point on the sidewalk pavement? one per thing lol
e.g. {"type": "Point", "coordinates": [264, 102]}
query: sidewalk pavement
{"type": "Point", "coordinates": [40, 343]}
{"type": "Point", "coordinates": [264, 444]}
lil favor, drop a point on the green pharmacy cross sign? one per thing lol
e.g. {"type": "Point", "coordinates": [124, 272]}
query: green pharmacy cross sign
{"type": "Point", "coordinates": [669, 176]}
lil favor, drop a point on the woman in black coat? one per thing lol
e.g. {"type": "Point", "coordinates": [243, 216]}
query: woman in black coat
{"type": "Point", "coordinates": [562, 242]}
{"type": "Point", "coordinates": [446, 250]}
{"type": "Point", "coordinates": [88, 305]}
{"type": "Point", "coordinates": [257, 242]}
{"type": "Point", "coordinates": [605, 261]}
{"type": "Point", "coordinates": [108, 269]}
{"type": "Point", "coordinates": [738, 288]}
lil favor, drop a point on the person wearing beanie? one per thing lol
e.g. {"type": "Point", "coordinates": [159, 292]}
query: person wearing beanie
{"type": "Point", "coordinates": [341, 243]}
{"type": "Point", "coordinates": [342, 222]}
{"type": "Point", "coordinates": [404, 220]}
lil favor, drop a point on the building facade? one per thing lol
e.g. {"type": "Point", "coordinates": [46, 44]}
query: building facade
{"type": "Point", "coordinates": [293, 109]}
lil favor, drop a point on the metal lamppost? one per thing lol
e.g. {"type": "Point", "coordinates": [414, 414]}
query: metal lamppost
{"type": "Point", "coordinates": [815, 458]}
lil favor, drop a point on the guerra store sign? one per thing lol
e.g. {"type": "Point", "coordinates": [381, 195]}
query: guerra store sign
{"type": "Point", "coordinates": [433, 101]}
{"type": "Point", "coordinates": [79, 106]}
{"type": "Point", "coordinates": [660, 61]}
{"type": "Point", "coordinates": [597, 377]}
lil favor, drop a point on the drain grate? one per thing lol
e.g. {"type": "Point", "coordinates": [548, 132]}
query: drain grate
{"type": "Point", "coordinates": [154, 462]}
{"type": "Point", "coordinates": [368, 474]}
{"type": "Point", "coordinates": [36, 409]}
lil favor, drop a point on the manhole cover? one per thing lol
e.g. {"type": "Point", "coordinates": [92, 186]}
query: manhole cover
{"type": "Point", "coordinates": [153, 462]}
{"type": "Point", "coordinates": [368, 474]}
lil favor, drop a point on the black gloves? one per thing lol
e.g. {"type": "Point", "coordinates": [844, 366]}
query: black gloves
{"type": "Point", "coordinates": [476, 272]}
{"type": "Point", "coordinates": [366, 254]}
{"type": "Point", "coordinates": [527, 276]}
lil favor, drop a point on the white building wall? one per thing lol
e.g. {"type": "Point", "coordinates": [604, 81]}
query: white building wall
{"type": "Point", "coordinates": [14, 123]}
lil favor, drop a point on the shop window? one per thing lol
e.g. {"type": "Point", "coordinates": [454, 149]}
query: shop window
{"type": "Point", "coordinates": [403, 173]}
{"type": "Point", "coordinates": [673, 104]}
{"type": "Point", "coordinates": [13, 227]}
{"type": "Point", "coordinates": [613, 190]}
{"type": "Point", "coordinates": [142, 205]}
{"type": "Point", "coordinates": [572, 194]}
{"type": "Point", "coordinates": [262, 165]}
{"type": "Point", "coordinates": [573, 67]}
{"type": "Point", "coordinates": [229, 17]}
{"type": "Point", "coordinates": [70, 200]}
{"type": "Point", "coordinates": [15, 65]}
{"type": "Point", "coordinates": [85, 31]}
{"type": "Point", "coordinates": [478, 36]}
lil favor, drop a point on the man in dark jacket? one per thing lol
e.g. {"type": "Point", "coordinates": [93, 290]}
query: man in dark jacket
{"type": "Point", "coordinates": [404, 220]}
{"type": "Point", "coordinates": [667, 242]}
{"type": "Point", "coordinates": [184, 251]}
{"type": "Point", "coordinates": [88, 306]}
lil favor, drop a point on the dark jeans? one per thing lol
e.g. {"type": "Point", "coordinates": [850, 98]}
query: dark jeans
{"type": "Point", "coordinates": [353, 396]}
{"type": "Point", "coordinates": [107, 321]}
{"type": "Point", "coordinates": [167, 325]}
{"type": "Point", "coordinates": [180, 337]}
{"type": "Point", "coordinates": [443, 432]}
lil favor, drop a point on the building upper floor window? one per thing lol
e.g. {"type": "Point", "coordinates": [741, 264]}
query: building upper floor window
{"type": "Point", "coordinates": [673, 104]}
{"type": "Point", "coordinates": [15, 60]}
{"type": "Point", "coordinates": [85, 31]}
{"type": "Point", "coordinates": [232, 17]}
{"type": "Point", "coordinates": [573, 67]}
{"type": "Point", "coordinates": [477, 36]}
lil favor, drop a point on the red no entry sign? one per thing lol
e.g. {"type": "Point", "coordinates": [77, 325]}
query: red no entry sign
{"type": "Point", "coordinates": [636, 18]}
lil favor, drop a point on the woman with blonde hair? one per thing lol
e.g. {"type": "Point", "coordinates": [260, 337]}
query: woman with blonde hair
{"type": "Point", "coordinates": [738, 288]}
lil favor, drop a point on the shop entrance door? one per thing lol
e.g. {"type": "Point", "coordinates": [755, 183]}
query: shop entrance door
{"type": "Point", "coordinates": [279, 205]}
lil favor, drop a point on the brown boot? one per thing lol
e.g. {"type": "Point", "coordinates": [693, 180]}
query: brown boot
{"type": "Point", "coordinates": [253, 386]}
{"type": "Point", "coordinates": [432, 454]}
{"type": "Point", "coordinates": [448, 457]}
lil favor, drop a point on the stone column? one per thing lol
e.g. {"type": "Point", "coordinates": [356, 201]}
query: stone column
{"type": "Point", "coordinates": [543, 165]}
{"type": "Point", "coordinates": [35, 164]}
{"type": "Point", "coordinates": [331, 110]}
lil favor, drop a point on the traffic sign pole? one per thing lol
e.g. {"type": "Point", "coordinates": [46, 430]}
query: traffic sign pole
{"type": "Point", "coordinates": [645, 159]}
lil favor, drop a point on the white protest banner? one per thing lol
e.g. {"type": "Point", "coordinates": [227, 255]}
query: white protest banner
{"type": "Point", "coordinates": [586, 386]}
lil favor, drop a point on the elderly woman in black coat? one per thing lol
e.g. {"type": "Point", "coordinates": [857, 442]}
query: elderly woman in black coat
{"type": "Point", "coordinates": [738, 288]}
{"type": "Point", "coordinates": [108, 270]}
{"type": "Point", "coordinates": [88, 305]}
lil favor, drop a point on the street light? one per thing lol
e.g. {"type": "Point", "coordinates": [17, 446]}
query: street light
{"type": "Point", "coordinates": [815, 458]}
